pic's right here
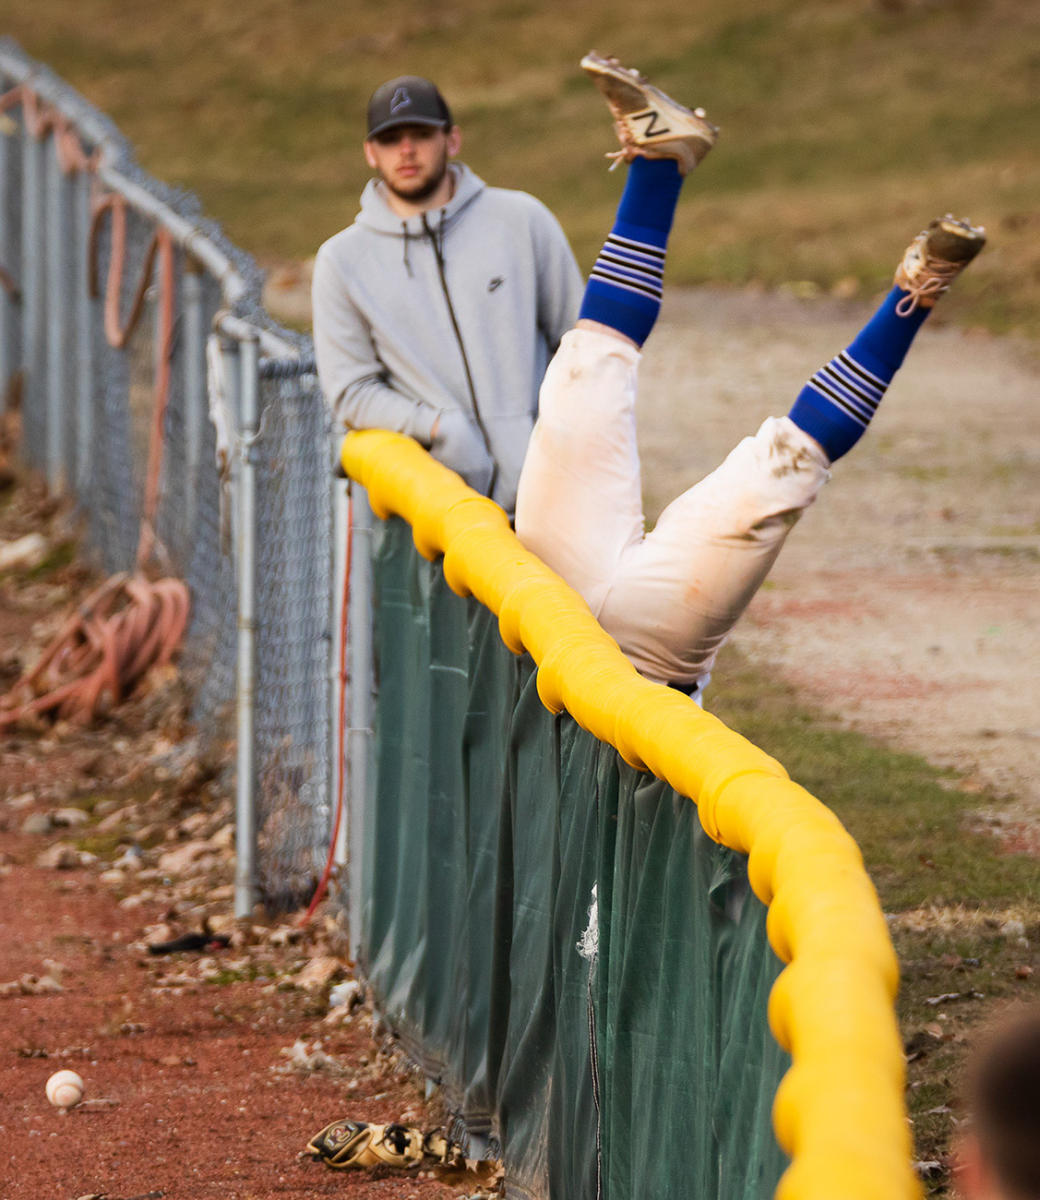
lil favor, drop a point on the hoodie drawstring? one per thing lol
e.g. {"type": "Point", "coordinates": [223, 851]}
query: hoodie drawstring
{"type": "Point", "coordinates": [437, 241]}
{"type": "Point", "coordinates": [405, 235]}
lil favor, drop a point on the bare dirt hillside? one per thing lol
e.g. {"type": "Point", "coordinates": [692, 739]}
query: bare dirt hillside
{"type": "Point", "coordinates": [907, 601]}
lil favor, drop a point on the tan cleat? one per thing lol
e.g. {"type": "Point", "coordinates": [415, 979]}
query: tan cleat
{"type": "Point", "coordinates": [934, 259]}
{"type": "Point", "coordinates": [649, 123]}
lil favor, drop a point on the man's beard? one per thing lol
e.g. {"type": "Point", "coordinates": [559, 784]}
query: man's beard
{"type": "Point", "coordinates": [420, 191]}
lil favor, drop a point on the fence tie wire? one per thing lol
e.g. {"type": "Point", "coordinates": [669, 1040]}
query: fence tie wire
{"type": "Point", "coordinates": [287, 368]}
{"type": "Point", "coordinates": [9, 284]}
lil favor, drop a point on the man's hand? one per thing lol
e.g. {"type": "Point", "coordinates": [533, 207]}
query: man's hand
{"type": "Point", "coordinates": [457, 443]}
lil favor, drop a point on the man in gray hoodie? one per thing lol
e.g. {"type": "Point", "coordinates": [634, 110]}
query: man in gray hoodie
{"type": "Point", "coordinates": [437, 311]}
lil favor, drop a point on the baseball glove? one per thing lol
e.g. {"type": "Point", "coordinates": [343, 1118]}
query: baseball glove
{"type": "Point", "coordinates": [347, 1143]}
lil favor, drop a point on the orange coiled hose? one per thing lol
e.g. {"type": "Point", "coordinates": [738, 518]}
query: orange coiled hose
{"type": "Point", "coordinates": [121, 631]}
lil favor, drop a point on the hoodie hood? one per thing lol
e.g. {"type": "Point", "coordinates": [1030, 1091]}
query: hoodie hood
{"type": "Point", "coordinates": [377, 215]}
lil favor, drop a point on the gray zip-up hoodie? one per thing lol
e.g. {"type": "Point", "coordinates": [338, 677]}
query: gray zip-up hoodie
{"type": "Point", "coordinates": [453, 313]}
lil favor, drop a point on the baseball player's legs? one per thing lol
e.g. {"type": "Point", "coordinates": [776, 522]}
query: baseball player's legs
{"type": "Point", "coordinates": [671, 598]}
{"type": "Point", "coordinates": [579, 505]}
{"type": "Point", "coordinates": [675, 595]}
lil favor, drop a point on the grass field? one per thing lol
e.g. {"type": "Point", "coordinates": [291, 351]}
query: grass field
{"type": "Point", "coordinates": [846, 123]}
{"type": "Point", "coordinates": [963, 909]}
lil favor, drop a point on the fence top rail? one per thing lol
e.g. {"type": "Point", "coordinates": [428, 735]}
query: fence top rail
{"type": "Point", "coordinates": [17, 68]}
{"type": "Point", "coordinates": [184, 232]}
{"type": "Point", "coordinates": [282, 357]}
{"type": "Point", "coordinates": [178, 212]}
{"type": "Point", "coordinates": [839, 1111]}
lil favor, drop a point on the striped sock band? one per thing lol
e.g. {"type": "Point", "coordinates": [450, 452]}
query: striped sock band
{"type": "Point", "coordinates": [837, 404]}
{"type": "Point", "coordinates": [851, 387]}
{"type": "Point", "coordinates": [634, 266]}
{"type": "Point", "coordinates": [624, 288]}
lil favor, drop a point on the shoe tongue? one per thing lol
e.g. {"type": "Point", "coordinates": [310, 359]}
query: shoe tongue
{"type": "Point", "coordinates": [952, 245]}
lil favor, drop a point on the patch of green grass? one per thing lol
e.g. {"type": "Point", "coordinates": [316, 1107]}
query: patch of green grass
{"type": "Point", "coordinates": [907, 816]}
{"type": "Point", "coordinates": [61, 555]}
{"type": "Point", "coordinates": [246, 974]}
{"type": "Point", "coordinates": [86, 802]}
{"type": "Point", "coordinates": [104, 845]}
{"type": "Point", "coordinates": [89, 801]}
{"type": "Point", "coordinates": [1014, 531]}
{"type": "Point", "coordinates": [949, 891]}
{"type": "Point", "coordinates": [952, 981]}
{"type": "Point", "coordinates": [923, 473]}
{"type": "Point", "coordinates": [1009, 550]}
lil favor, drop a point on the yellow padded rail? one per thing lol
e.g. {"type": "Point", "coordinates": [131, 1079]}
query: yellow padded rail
{"type": "Point", "coordinates": [838, 1112]}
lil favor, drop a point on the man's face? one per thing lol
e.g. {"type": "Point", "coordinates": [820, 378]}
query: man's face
{"type": "Point", "coordinates": [412, 159]}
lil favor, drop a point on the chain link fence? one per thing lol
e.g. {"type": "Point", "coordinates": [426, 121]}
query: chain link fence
{"type": "Point", "coordinates": [128, 325]}
{"type": "Point", "coordinates": [293, 598]}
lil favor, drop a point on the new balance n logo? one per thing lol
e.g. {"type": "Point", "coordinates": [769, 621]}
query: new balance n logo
{"type": "Point", "coordinates": [650, 117]}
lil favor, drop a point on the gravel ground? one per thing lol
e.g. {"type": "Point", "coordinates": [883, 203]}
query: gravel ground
{"type": "Point", "coordinates": [207, 1069]}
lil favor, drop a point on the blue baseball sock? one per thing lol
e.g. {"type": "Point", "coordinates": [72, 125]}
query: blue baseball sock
{"type": "Point", "coordinates": [624, 289]}
{"type": "Point", "coordinates": [837, 404]}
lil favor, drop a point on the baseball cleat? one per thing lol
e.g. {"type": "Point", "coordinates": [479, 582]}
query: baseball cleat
{"type": "Point", "coordinates": [649, 123]}
{"type": "Point", "coordinates": [934, 259]}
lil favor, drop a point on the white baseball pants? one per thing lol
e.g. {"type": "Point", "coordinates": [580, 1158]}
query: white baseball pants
{"type": "Point", "coordinates": [669, 597]}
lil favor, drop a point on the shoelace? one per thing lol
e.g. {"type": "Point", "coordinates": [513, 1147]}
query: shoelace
{"type": "Point", "coordinates": [939, 274]}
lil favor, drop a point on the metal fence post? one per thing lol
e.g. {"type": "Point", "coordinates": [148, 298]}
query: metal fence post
{"type": "Point", "coordinates": [337, 682]}
{"type": "Point", "coordinates": [57, 314]}
{"type": "Point", "coordinates": [8, 233]}
{"type": "Point", "coordinates": [32, 281]}
{"type": "Point", "coordinates": [84, 309]}
{"type": "Point", "coordinates": [233, 387]}
{"type": "Point", "coordinates": [245, 806]}
{"type": "Point", "coordinates": [194, 357]}
{"type": "Point", "coordinates": [359, 738]}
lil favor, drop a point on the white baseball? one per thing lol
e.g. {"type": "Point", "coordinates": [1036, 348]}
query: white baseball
{"type": "Point", "coordinates": [65, 1089]}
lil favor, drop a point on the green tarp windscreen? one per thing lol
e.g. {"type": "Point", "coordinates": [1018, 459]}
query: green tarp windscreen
{"type": "Point", "coordinates": [550, 932]}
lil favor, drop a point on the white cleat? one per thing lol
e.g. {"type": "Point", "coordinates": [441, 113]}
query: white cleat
{"type": "Point", "coordinates": [648, 123]}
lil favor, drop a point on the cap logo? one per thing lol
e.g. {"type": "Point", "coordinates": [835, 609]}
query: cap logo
{"type": "Point", "coordinates": [400, 100]}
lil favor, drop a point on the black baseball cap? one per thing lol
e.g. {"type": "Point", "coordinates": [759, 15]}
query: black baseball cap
{"type": "Point", "coordinates": [407, 100]}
